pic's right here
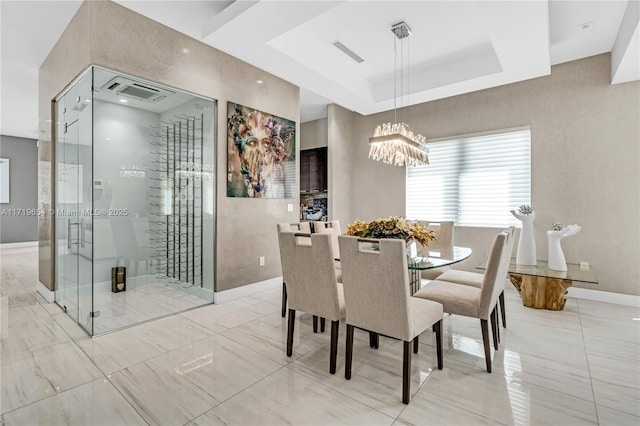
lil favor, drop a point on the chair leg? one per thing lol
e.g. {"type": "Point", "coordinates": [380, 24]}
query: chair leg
{"type": "Point", "coordinates": [284, 300]}
{"type": "Point", "coordinates": [315, 323]}
{"type": "Point", "coordinates": [374, 340]}
{"type": "Point", "coordinates": [494, 328]}
{"type": "Point", "coordinates": [502, 312]}
{"type": "Point", "coordinates": [437, 328]}
{"type": "Point", "coordinates": [348, 353]}
{"type": "Point", "coordinates": [487, 346]}
{"type": "Point", "coordinates": [497, 323]}
{"type": "Point", "coordinates": [321, 325]}
{"type": "Point", "coordinates": [416, 344]}
{"type": "Point", "coordinates": [335, 326]}
{"type": "Point", "coordinates": [406, 373]}
{"type": "Point", "coordinates": [292, 321]}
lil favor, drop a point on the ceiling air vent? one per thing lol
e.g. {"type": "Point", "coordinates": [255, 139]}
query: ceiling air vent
{"type": "Point", "coordinates": [122, 86]}
{"type": "Point", "coordinates": [350, 53]}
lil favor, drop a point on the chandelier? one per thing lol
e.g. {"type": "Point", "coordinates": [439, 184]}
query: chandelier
{"type": "Point", "coordinates": [394, 143]}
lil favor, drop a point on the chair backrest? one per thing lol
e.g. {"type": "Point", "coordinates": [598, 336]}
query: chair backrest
{"type": "Point", "coordinates": [295, 227]}
{"type": "Point", "coordinates": [509, 249]}
{"type": "Point", "coordinates": [494, 275]}
{"type": "Point", "coordinates": [443, 230]}
{"type": "Point", "coordinates": [332, 228]}
{"type": "Point", "coordinates": [308, 269]}
{"type": "Point", "coordinates": [376, 285]}
{"type": "Point", "coordinates": [329, 224]}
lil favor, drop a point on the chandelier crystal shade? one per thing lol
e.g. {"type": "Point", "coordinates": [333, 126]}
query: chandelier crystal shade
{"type": "Point", "coordinates": [394, 143]}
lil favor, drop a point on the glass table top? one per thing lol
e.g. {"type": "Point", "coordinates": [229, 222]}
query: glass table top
{"type": "Point", "coordinates": [430, 257]}
{"type": "Point", "coordinates": [435, 257]}
{"type": "Point", "coordinates": [574, 272]}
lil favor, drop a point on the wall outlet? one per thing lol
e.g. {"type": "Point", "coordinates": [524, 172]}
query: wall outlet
{"type": "Point", "coordinates": [261, 260]}
{"type": "Point", "coordinates": [289, 207]}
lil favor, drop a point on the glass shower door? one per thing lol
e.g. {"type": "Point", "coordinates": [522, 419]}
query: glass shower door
{"type": "Point", "coordinates": [74, 219]}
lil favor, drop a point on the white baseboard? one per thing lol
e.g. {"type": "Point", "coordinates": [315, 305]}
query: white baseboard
{"type": "Point", "coordinates": [19, 245]}
{"type": "Point", "coordinates": [604, 296]}
{"type": "Point", "coordinates": [48, 295]}
{"type": "Point", "coordinates": [246, 290]}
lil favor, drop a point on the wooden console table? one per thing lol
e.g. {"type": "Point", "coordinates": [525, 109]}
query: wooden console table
{"type": "Point", "coordinates": [544, 288]}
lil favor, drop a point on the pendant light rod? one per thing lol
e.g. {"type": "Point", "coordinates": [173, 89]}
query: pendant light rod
{"type": "Point", "coordinates": [395, 80]}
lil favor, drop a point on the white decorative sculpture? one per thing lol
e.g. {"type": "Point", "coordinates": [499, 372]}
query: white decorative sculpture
{"type": "Point", "coordinates": [527, 245]}
{"type": "Point", "coordinates": [557, 261]}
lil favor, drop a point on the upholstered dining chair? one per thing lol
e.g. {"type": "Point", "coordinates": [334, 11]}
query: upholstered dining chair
{"type": "Point", "coordinates": [475, 279]}
{"type": "Point", "coordinates": [304, 227]}
{"type": "Point", "coordinates": [470, 301]}
{"type": "Point", "coordinates": [444, 238]}
{"type": "Point", "coordinates": [376, 296]}
{"type": "Point", "coordinates": [331, 227]}
{"type": "Point", "coordinates": [308, 270]}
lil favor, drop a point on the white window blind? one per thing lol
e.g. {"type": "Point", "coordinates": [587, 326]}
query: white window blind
{"type": "Point", "coordinates": [474, 181]}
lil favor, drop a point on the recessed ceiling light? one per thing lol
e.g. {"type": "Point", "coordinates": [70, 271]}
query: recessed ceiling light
{"type": "Point", "coordinates": [88, 100]}
{"type": "Point", "coordinates": [259, 81]}
{"type": "Point", "coordinates": [124, 101]}
{"type": "Point", "coordinates": [185, 50]}
{"type": "Point", "coordinates": [586, 26]}
{"type": "Point", "coordinates": [108, 139]}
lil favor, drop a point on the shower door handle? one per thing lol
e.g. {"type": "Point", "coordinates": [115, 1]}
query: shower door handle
{"type": "Point", "coordinates": [69, 223]}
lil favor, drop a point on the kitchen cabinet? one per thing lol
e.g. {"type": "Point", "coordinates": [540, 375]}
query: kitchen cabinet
{"type": "Point", "coordinates": [313, 171]}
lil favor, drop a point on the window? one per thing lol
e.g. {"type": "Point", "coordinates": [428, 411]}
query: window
{"type": "Point", "coordinates": [473, 180]}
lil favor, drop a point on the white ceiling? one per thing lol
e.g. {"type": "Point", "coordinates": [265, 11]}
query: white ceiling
{"type": "Point", "coordinates": [456, 46]}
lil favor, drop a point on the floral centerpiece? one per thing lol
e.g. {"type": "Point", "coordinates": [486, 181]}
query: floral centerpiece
{"type": "Point", "coordinates": [393, 227]}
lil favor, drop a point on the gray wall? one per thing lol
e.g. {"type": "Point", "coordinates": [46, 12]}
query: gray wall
{"type": "Point", "coordinates": [585, 156]}
{"type": "Point", "coordinates": [313, 134]}
{"type": "Point", "coordinates": [23, 168]}
{"type": "Point", "coordinates": [107, 34]}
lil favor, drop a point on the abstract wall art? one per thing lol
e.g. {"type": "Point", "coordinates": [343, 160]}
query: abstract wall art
{"type": "Point", "coordinates": [261, 154]}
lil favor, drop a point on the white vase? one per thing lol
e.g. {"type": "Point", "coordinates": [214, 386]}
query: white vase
{"type": "Point", "coordinates": [556, 261]}
{"type": "Point", "coordinates": [527, 245]}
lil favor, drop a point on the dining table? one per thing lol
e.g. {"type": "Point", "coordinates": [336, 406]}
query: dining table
{"type": "Point", "coordinates": [422, 259]}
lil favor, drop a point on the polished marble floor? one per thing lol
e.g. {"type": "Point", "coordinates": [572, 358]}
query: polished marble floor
{"type": "Point", "coordinates": [141, 303]}
{"type": "Point", "coordinates": [225, 364]}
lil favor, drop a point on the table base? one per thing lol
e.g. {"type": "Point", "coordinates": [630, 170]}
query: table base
{"type": "Point", "coordinates": [541, 292]}
{"type": "Point", "coordinates": [414, 281]}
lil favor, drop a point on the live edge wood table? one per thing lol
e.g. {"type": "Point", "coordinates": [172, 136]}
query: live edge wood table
{"type": "Point", "coordinates": [544, 288]}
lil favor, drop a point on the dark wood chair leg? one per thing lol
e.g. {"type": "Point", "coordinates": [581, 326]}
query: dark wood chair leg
{"type": "Point", "coordinates": [335, 326]}
{"type": "Point", "coordinates": [497, 323]}
{"type": "Point", "coordinates": [315, 323]}
{"type": "Point", "coordinates": [487, 345]}
{"type": "Point", "coordinates": [406, 373]}
{"type": "Point", "coordinates": [494, 328]}
{"type": "Point", "coordinates": [416, 344]}
{"type": "Point", "coordinates": [284, 300]}
{"type": "Point", "coordinates": [348, 353]}
{"type": "Point", "coordinates": [292, 321]}
{"type": "Point", "coordinates": [321, 325]}
{"type": "Point", "coordinates": [502, 312]}
{"type": "Point", "coordinates": [374, 340]}
{"type": "Point", "coordinates": [437, 328]}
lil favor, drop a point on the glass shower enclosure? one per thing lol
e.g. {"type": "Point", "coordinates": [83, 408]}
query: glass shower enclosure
{"type": "Point", "coordinates": [134, 200]}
